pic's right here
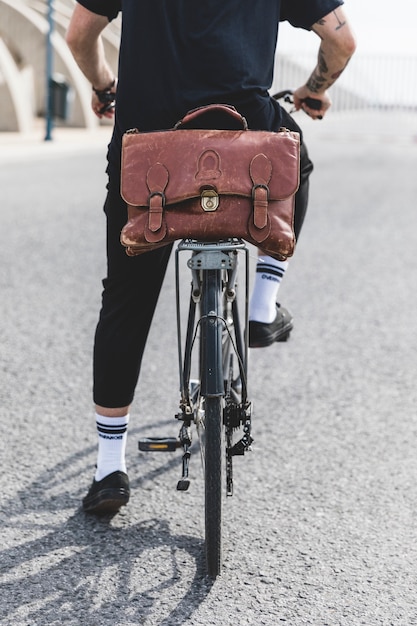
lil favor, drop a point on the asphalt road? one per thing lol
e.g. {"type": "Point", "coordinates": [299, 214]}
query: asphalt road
{"type": "Point", "coordinates": [322, 527]}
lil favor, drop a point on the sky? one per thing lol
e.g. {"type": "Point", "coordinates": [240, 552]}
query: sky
{"type": "Point", "coordinates": [381, 27]}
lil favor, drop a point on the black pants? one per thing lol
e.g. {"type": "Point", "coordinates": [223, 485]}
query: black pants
{"type": "Point", "coordinates": [130, 295]}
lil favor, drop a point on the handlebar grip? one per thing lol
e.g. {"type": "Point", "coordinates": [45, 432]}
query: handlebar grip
{"type": "Point", "coordinates": [313, 103]}
{"type": "Point", "coordinates": [107, 107]}
{"type": "Point", "coordinates": [283, 95]}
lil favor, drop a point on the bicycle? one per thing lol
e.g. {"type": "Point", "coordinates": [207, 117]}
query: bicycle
{"type": "Point", "coordinates": [216, 402]}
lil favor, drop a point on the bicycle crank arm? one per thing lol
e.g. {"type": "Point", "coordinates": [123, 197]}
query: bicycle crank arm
{"type": "Point", "coordinates": [184, 482]}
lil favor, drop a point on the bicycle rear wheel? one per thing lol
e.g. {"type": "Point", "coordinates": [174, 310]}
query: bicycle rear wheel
{"type": "Point", "coordinates": [213, 484]}
{"type": "Point", "coordinates": [212, 392]}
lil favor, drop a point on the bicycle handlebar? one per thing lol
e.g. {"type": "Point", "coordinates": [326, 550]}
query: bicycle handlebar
{"type": "Point", "coordinates": [286, 95]}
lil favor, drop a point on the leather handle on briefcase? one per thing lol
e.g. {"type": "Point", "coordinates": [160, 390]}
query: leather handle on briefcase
{"type": "Point", "coordinates": [193, 115]}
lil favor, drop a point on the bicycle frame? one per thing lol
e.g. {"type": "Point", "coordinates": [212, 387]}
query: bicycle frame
{"type": "Point", "coordinates": [217, 401]}
{"type": "Point", "coordinates": [218, 261]}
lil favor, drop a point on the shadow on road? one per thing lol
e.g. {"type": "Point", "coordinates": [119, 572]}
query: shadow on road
{"type": "Point", "coordinates": [61, 567]}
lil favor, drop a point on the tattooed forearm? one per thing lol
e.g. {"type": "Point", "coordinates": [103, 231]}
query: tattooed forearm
{"type": "Point", "coordinates": [338, 26]}
{"type": "Point", "coordinates": [331, 62]}
{"type": "Point", "coordinates": [339, 23]}
{"type": "Point", "coordinates": [336, 47]}
{"type": "Point", "coordinates": [336, 75]}
{"type": "Point", "coordinates": [321, 62]}
{"type": "Point", "coordinates": [318, 80]}
{"type": "Point", "coordinates": [315, 83]}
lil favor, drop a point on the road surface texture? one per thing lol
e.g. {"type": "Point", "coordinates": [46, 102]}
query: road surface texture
{"type": "Point", "coordinates": [322, 527]}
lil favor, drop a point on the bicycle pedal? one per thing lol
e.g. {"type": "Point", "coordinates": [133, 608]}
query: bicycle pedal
{"type": "Point", "coordinates": [159, 444]}
{"type": "Point", "coordinates": [183, 484]}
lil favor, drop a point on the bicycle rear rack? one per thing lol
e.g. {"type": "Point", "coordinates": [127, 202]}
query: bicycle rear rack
{"type": "Point", "coordinates": [219, 255]}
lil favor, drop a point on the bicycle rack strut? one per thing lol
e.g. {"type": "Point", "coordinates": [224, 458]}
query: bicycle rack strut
{"type": "Point", "coordinates": [237, 408]}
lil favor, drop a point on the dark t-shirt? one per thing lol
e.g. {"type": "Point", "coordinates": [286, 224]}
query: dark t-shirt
{"type": "Point", "coordinates": [176, 55]}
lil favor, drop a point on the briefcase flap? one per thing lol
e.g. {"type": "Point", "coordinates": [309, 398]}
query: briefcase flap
{"type": "Point", "coordinates": [182, 164]}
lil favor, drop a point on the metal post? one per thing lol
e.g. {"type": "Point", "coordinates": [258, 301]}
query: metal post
{"type": "Point", "coordinates": [49, 70]}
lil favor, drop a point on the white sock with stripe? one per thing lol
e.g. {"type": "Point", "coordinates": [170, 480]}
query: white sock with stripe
{"type": "Point", "coordinates": [112, 437]}
{"type": "Point", "coordinates": [269, 274]}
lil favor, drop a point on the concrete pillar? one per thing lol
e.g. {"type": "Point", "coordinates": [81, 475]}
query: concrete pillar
{"type": "Point", "coordinates": [16, 94]}
{"type": "Point", "coordinates": [25, 30]}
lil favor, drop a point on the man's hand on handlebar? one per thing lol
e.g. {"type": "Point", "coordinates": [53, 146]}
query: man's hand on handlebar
{"type": "Point", "coordinates": [103, 100]}
{"type": "Point", "coordinates": [314, 105]}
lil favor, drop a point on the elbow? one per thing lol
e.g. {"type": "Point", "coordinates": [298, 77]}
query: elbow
{"type": "Point", "coordinates": [350, 45]}
{"type": "Point", "coordinates": [71, 40]}
{"type": "Point", "coordinates": [347, 42]}
{"type": "Point", "coordinates": [342, 48]}
{"type": "Point", "coordinates": [76, 38]}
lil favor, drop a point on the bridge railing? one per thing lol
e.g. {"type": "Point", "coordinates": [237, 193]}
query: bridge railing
{"type": "Point", "coordinates": [370, 81]}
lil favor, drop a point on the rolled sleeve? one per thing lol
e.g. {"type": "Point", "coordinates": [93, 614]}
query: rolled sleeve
{"type": "Point", "coordinates": [305, 13]}
{"type": "Point", "coordinates": [108, 8]}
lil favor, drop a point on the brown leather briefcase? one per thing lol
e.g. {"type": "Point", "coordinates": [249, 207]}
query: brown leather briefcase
{"type": "Point", "coordinates": [210, 185]}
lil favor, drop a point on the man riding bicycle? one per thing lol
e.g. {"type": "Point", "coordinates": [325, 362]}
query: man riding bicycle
{"type": "Point", "coordinates": [176, 55]}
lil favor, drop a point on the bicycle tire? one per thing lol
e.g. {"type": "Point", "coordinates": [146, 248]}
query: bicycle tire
{"type": "Point", "coordinates": [212, 390]}
{"type": "Point", "coordinates": [213, 485]}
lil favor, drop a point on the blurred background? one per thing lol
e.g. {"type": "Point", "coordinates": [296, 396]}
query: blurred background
{"type": "Point", "coordinates": [39, 79]}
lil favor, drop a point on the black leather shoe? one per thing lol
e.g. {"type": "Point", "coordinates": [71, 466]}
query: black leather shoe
{"type": "Point", "coordinates": [107, 495]}
{"type": "Point", "coordinates": [262, 334]}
